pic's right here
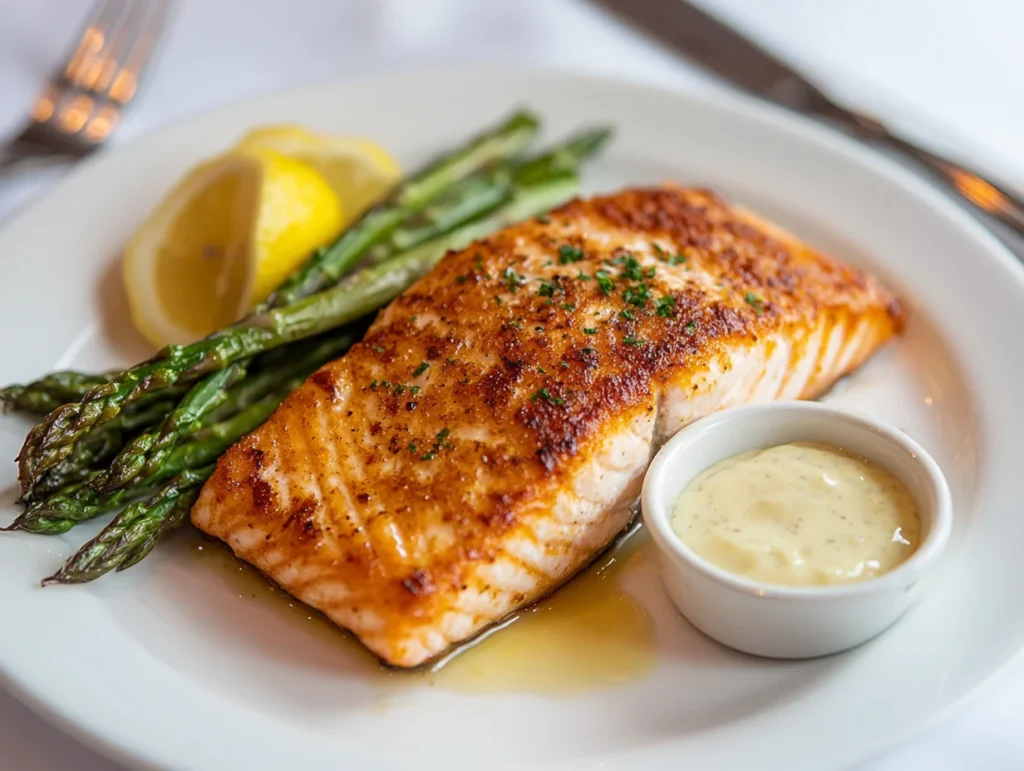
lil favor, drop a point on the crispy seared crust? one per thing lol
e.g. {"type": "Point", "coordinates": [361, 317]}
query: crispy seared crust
{"type": "Point", "coordinates": [397, 516]}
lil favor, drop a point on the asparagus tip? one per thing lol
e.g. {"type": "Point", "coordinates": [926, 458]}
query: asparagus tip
{"type": "Point", "coordinates": [525, 116]}
{"type": "Point", "coordinates": [68, 576]}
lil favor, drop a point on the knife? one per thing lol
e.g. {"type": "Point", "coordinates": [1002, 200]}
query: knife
{"type": "Point", "coordinates": [742, 62]}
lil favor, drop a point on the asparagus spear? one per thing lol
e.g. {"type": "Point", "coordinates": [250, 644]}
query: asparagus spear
{"type": "Point", "coordinates": [79, 503]}
{"type": "Point", "coordinates": [104, 444]}
{"type": "Point", "coordinates": [31, 398]}
{"type": "Point", "coordinates": [485, 192]}
{"type": "Point", "coordinates": [152, 525]}
{"type": "Point", "coordinates": [50, 391]}
{"type": "Point", "coordinates": [134, 533]}
{"type": "Point", "coordinates": [131, 536]}
{"type": "Point", "coordinates": [99, 447]}
{"type": "Point", "coordinates": [42, 396]}
{"type": "Point", "coordinates": [471, 199]}
{"type": "Point", "coordinates": [54, 438]}
{"type": "Point", "coordinates": [145, 454]}
{"type": "Point", "coordinates": [78, 468]}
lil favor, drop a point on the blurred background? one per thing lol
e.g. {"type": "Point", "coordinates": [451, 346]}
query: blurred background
{"type": "Point", "coordinates": [949, 73]}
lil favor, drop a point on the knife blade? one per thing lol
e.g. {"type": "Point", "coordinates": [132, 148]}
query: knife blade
{"type": "Point", "coordinates": [718, 47]}
{"type": "Point", "coordinates": [739, 60]}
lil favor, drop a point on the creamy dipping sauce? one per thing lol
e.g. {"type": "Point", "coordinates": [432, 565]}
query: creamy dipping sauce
{"type": "Point", "coordinates": [798, 514]}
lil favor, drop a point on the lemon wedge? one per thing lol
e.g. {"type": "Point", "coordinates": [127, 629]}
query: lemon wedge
{"type": "Point", "coordinates": [222, 239]}
{"type": "Point", "coordinates": [359, 170]}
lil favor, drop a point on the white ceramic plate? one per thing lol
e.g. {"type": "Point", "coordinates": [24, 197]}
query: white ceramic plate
{"type": "Point", "coordinates": [169, 664]}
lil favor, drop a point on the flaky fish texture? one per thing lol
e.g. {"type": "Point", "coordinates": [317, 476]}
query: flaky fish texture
{"type": "Point", "coordinates": [487, 438]}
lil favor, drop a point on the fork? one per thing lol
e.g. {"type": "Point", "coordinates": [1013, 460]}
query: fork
{"type": "Point", "coordinates": [82, 102]}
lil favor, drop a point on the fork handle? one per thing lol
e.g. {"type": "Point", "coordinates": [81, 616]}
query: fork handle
{"type": "Point", "coordinates": [984, 194]}
{"type": "Point", "coordinates": [10, 158]}
{"type": "Point", "coordinates": [15, 158]}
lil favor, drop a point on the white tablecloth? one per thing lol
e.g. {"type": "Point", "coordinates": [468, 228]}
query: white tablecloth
{"type": "Point", "coordinates": [950, 71]}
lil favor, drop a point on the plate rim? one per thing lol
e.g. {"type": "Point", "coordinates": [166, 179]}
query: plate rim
{"type": "Point", "coordinates": [741, 105]}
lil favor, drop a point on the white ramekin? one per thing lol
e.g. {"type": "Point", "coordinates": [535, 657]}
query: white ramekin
{"type": "Point", "coordinates": [784, 621]}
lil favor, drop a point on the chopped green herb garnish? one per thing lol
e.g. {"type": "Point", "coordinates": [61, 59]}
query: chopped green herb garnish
{"type": "Point", "coordinates": [581, 276]}
{"type": "Point", "coordinates": [650, 272]}
{"type": "Point", "coordinates": [627, 314]}
{"type": "Point", "coordinates": [558, 401]}
{"type": "Point", "coordinates": [658, 250]}
{"type": "Point", "coordinates": [464, 381]}
{"type": "Point", "coordinates": [568, 254]}
{"type": "Point", "coordinates": [543, 219]}
{"type": "Point", "coordinates": [539, 329]}
{"type": "Point", "coordinates": [413, 390]}
{"type": "Point", "coordinates": [377, 348]}
{"type": "Point", "coordinates": [633, 341]}
{"type": "Point", "coordinates": [587, 351]}
{"type": "Point", "coordinates": [665, 306]}
{"type": "Point", "coordinates": [755, 302]}
{"type": "Point", "coordinates": [497, 299]}
{"type": "Point", "coordinates": [677, 259]}
{"type": "Point", "coordinates": [548, 289]}
{"type": "Point", "coordinates": [386, 383]}
{"type": "Point", "coordinates": [450, 361]}
{"type": "Point", "coordinates": [630, 267]}
{"type": "Point", "coordinates": [512, 279]}
{"type": "Point", "coordinates": [423, 367]}
{"type": "Point", "coordinates": [412, 319]}
{"type": "Point", "coordinates": [691, 327]}
{"type": "Point", "coordinates": [563, 364]}
{"type": "Point", "coordinates": [568, 307]}
{"type": "Point", "coordinates": [412, 447]}
{"type": "Point", "coordinates": [517, 323]}
{"type": "Point", "coordinates": [438, 443]}
{"type": "Point", "coordinates": [462, 279]}
{"type": "Point", "coordinates": [604, 281]}
{"type": "Point", "coordinates": [541, 370]}
{"type": "Point", "coordinates": [373, 385]}
{"type": "Point", "coordinates": [636, 295]}
{"type": "Point", "coordinates": [589, 331]}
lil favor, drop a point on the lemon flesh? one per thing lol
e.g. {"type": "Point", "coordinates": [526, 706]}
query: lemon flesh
{"type": "Point", "coordinates": [222, 239]}
{"type": "Point", "coordinates": [201, 271]}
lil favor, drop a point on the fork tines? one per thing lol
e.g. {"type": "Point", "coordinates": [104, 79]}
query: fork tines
{"type": "Point", "coordinates": [82, 102]}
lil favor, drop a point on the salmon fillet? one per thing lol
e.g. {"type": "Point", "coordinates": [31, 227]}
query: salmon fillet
{"type": "Point", "coordinates": [488, 437]}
